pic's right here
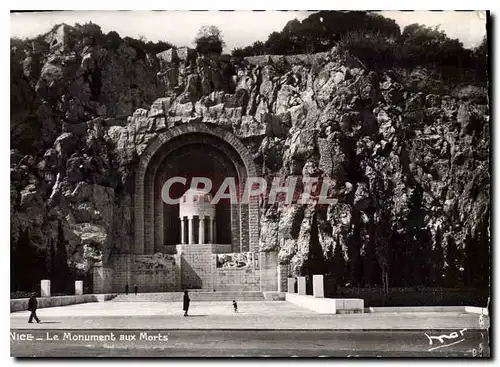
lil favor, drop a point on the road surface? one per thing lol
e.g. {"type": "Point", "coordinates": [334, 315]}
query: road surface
{"type": "Point", "coordinates": [248, 343]}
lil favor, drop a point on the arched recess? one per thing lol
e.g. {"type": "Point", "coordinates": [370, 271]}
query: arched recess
{"type": "Point", "coordinates": [155, 153]}
{"type": "Point", "coordinates": [194, 159]}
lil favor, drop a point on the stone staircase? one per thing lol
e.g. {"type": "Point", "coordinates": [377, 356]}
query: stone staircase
{"type": "Point", "coordinates": [194, 296]}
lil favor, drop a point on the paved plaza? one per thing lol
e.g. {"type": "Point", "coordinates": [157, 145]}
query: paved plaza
{"type": "Point", "coordinates": [263, 315]}
{"type": "Point", "coordinates": [260, 328]}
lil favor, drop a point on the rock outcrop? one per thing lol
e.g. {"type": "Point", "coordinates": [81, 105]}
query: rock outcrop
{"type": "Point", "coordinates": [411, 165]}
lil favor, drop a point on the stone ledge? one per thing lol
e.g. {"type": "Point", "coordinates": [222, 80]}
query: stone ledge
{"type": "Point", "coordinates": [274, 296]}
{"type": "Point", "coordinates": [327, 305]}
{"type": "Point", "coordinates": [466, 309]}
{"type": "Point", "coordinates": [21, 304]}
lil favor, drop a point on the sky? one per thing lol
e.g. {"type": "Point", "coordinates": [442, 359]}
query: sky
{"type": "Point", "coordinates": [239, 28]}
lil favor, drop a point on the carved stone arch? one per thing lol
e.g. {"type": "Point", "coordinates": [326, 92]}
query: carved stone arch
{"type": "Point", "coordinates": [143, 200]}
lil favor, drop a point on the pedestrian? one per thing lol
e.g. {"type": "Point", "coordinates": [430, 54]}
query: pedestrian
{"type": "Point", "coordinates": [235, 305]}
{"type": "Point", "coordinates": [135, 289]}
{"type": "Point", "coordinates": [32, 306]}
{"type": "Point", "coordinates": [185, 303]}
{"type": "Point", "coordinates": [126, 288]}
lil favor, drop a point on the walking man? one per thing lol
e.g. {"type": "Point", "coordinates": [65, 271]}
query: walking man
{"type": "Point", "coordinates": [135, 289]}
{"type": "Point", "coordinates": [185, 303]}
{"type": "Point", "coordinates": [235, 306]}
{"type": "Point", "coordinates": [32, 306]}
{"type": "Point", "coordinates": [126, 288]}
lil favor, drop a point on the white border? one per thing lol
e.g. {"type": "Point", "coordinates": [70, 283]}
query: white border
{"type": "Point", "coordinates": [192, 5]}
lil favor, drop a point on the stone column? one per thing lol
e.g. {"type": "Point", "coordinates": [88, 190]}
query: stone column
{"type": "Point", "coordinates": [318, 286]}
{"type": "Point", "coordinates": [78, 287]}
{"type": "Point", "coordinates": [201, 230]}
{"type": "Point", "coordinates": [214, 232]}
{"type": "Point", "coordinates": [301, 282]}
{"type": "Point", "coordinates": [210, 231]}
{"type": "Point", "coordinates": [190, 230]}
{"type": "Point", "coordinates": [45, 288]}
{"type": "Point", "coordinates": [291, 285]}
{"type": "Point", "coordinates": [183, 232]}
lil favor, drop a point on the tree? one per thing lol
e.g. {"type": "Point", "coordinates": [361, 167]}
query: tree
{"type": "Point", "coordinates": [295, 38]}
{"type": "Point", "coordinates": [112, 40]}
{"type": "Point", "coordinates": [437, 260]}
{"type": "Point", "coordinates": [259, 48]}
{"type": "Point", "coordinates": [480, 55]}
{"type": "Point", "coordinates": [209, 40]}
{"type": "Point", "coordinates": [422, 45]}
{"type": "Point", "coordinates": [353, 242]}
{"type": "Point", "coordinates": [27, 264]}
{"type": "Point", "coordinates": [91, 33]}
{"type": "Point", "coordinates": [276, 44]}
{"type": "Point", "coordinates": [451, 262]}
{"type": "Point", "coordinates": [315, 263]}
{"type": "Point", "coordinates": [60, 271]}
{"type": "Point", "coordinates": [22, 257]}
{"type": "Point", "coordinates": [339, 264]}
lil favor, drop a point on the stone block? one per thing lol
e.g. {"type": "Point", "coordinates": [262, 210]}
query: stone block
{"type": "Point", "coordinates": [318, 286]}
{"type": "Point", "coordinates": [45, 288]}
{"type": "Point", "coordinates": [327, 305]}
{"type": "Point", "coordinates": [78, 287]}
{"type": "Point", "coordinates": [291, 285]}
{"type": "Point", "coordinates": [349, 305]}
{"type": "Point", "coordinates": [301, 285]}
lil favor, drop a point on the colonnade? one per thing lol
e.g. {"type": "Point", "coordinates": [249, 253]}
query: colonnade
{"type": "Point", "coordinates": [201, 230]}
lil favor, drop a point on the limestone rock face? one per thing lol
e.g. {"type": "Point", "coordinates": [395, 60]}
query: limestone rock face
{"type": "Point", "coordinates": [81, 116]}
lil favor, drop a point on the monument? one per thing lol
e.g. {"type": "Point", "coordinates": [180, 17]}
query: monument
{"type": "Point", "coordinates": [195, 205]}
{"type": "Point", "coordinates": [193, 244]}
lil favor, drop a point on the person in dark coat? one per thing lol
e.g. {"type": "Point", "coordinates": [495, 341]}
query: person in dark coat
{"type": "Point", "coordinates": [185, 303]}
{"type": "Point", "coordinates": [32, 306]}
{"type": "Point", "coordinates": [126, 288]}
{"type": "Point", "coordinates": [235, 306]}
{"type": "Point", "coordinates": [136, 289]}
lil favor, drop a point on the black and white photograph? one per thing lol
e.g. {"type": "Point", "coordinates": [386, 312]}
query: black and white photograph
{"type": "Point", "coordinates": [250, 184]}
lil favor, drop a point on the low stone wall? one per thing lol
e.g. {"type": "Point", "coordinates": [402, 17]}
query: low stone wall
{"type": "Point", "coordinates": [326, 305]}
{"type": "Point", "coordinates": [237, 279]}
{"type": "Point", "coordinates": [466, 309]}
{"type": "Point", "coordinates": [193, 266]}
{"type": "Point", "coordinates": [21, 304]}
{"type": "Point", "coordinates": [274, 296]}
{"type": "Point", "coordinates": [410, 297]}
{"type": "Point", "coordinates": [158, 272]}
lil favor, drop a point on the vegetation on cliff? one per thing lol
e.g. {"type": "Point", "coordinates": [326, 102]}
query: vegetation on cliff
{"type": "Point", "coordinates": [378, 41]}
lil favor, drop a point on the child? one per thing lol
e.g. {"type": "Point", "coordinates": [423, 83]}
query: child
{"type": "Point", "coordinates": [235, 305]}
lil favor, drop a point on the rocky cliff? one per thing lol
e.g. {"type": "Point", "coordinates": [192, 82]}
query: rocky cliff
{"type": "Point", "coordinates": [409, 155]}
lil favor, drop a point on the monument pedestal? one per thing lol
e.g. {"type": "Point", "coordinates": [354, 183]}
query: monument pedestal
{"type": "Point", "coordinates": [45, 288]}
{"type": "Point", "coordinates": [78, 287]}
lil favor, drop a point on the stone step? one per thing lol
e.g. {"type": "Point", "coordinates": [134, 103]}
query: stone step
{"type": "Point", "coordinates": [194, 296]}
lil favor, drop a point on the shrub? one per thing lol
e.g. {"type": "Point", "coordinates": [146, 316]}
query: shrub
{"type": "Point", "coordinates": [142, 48]}
{"type": "Point", "coordinates": [91, 33]}
{"type": "Point", "coordinates": [19, 294]}
{"type": "Point", "coordinates": [375, 50]}
{"type": "Point", "coordinates": [112, 40]}
{"type": "Point", "coordinates": [209, 40]}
